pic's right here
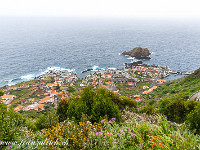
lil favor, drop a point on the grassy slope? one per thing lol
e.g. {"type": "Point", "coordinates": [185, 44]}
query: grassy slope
{"type": "Point", "coordinates": [187, 86]}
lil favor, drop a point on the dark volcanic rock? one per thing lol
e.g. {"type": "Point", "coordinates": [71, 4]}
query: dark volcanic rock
{"type": "Point", "coordinates": [138, 53]}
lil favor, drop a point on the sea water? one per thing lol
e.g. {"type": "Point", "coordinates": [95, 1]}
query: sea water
{"type": "Point", "coordinates": [30, 46]}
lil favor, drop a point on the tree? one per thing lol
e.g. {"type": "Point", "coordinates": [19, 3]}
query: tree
{"type": "Point", "coordinates": [62, 109]}
{"type": "Point", "coordinates": [93, 104]}
{"type": "Point", "coordinates": [104, 106]}
{"type": "Point", "coordinates": [88, 97]}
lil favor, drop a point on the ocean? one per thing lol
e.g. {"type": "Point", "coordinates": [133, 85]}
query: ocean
{"type": "Point", "coordinates": [30, 46]}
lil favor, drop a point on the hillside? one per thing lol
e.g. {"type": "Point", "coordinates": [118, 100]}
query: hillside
{"type": "Point", "coordinates": [96, 118]}
{"type": "Point", "coordinates": [187, 86]}
{"type": "Point", "coordinates": [173, 99]}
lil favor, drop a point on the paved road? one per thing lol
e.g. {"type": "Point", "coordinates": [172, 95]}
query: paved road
{"type": "Point", "coordinates": [196, 95]}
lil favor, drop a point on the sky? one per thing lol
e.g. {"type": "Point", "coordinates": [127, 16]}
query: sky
{"type": "Point", "coordinates": [102, 8]}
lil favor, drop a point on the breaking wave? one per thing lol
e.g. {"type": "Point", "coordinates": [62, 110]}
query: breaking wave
{"type": "Point", "coordinates": [28, 77]}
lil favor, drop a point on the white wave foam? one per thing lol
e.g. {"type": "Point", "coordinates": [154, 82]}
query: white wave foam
{"type": "Point", "coordinates": [10, 83]}
{"type": "Point", "coordinates": [57, 69]}
{"type": "Point", "coordinates": [130, 58]}
{"type": "Point", "coordinates": [28, 77]}
{"type": "Point", "coordinates": [103, 69]}
{"type": "Point", "coordinates": [112, 68]}
{"type": "Point", "coordinates": [95, 67]}
{"type": "Point", "coordinates": [32, 76]}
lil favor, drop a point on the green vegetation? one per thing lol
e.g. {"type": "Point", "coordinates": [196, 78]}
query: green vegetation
{"type": "Point", "coordinates": [48, 79]}
{"type": "Point", "coordinates": [187, 85]}
{"type": "Point", "coordinates": [26, 83]}
{"type": "Point", "coordinates": [94, 104]}
{"type": "Point", "coordinates": [21, 93]}
{"type": "Point", "coordinates": [39, 120]}
{"type": "Point", "coordinates": [71, 89]}
{"type": "Point", "coordinates": [193, 119]}
{"type": "Point", "coordinates": [171, 100]}
{"type": "Point", "coordinates": [11, 124]}
{"type": "Point", "coordinates": [1, 93]}
{"type": "Point", "coordinates": [57, 88]}
{"type": "Point", "coordinates": [135, 132]}
{"type": "Point", "coordinates": [100, 119]}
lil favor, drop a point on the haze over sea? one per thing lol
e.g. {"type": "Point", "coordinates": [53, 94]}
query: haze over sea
{"type": "Point", "coordinates": [28, 46]}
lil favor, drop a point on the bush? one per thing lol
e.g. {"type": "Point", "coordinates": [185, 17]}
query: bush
{"type": "Point", "coordinates": [193, 119]}
{"type": "Point", "coordinates": [95, 104]}
{"type": "Point", "coordinates": [138, 132]}
{"type": "Point", "coordinates": [71, 89]}
{"type": "Point", "coordinates": [174, 110]}
{"type": "Point", "coordinates": [148, 109]}
{"type": "Point", "coordinates": [10, 124]}
{"type": "Point", "coordinates": [46, 121]}
{"type": "Point", "coordinates": [1, 93]}
{"type": "Point", "coordinates": [62, 109]}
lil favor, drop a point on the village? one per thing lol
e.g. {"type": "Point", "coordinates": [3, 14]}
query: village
{"type": "Point", "coordinates": [46, 90]}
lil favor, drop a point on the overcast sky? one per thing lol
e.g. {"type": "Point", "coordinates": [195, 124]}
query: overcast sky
{"type": "Point", "coordinates": [102, 8]}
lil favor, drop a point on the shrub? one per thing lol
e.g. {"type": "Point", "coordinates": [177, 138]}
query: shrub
{"type": "Point", "coordinates": [46, 121]}
{"type": "Point", "coordinates": [62, 109]}
{"type": "Point", "coordinates": [71, 89]}
{"type": "Point", "coordinates": [174, 110]}
{"type": "Point", "coordinates": [1, 93]}
{"type": "Point", "coordinates": [193, 119]}
{"type": "Point", "coordinates": [94, 104]}
{"type": "Point", "coordinates": [138, 132]}
{"type": "Point", "coordinates": [10, 123]}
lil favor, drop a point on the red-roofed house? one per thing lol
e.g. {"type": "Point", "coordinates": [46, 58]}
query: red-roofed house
{"type": "Point", "coordinates": [137, 99]}
{"type": "Point", "coordinates": [116, 91]}
{"type": "Point", "coordinates": [46, 94]}
{"type": "Point", "coordinates": [41, 107]}
{"type": "Point", "coordinates": [60, 93]}
{"type": "Point", "coordinates": [94, 83]}
{"type": "Point", "coordinates": [46, 100]}
{"type": "Point", "coordinates": [107, 75]}
{"type": "Point", "coordinates": [8, 97]}
{"type": "Point", "coordinates": [130, 83]}
{"type": "Point", "coordinates": [53, 93]}
{"type": "Point", "coordinates": [18, 108]}
{"type": "Point", "coordinates": [49, 85]}
{"type": "Point", "coordinates": [160, 81]}
{"type": "Point", "coordinates": [107, 83]}
{"type": "Point", "coordinates": [23, 101]}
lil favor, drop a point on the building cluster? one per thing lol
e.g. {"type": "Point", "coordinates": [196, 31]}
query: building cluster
{"type": "Point", "coordinates": [41, 92]}
{"type": "Point", "coordinates": [109, 78]}
{"type": "Point", "coordinates": [54, 85]}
